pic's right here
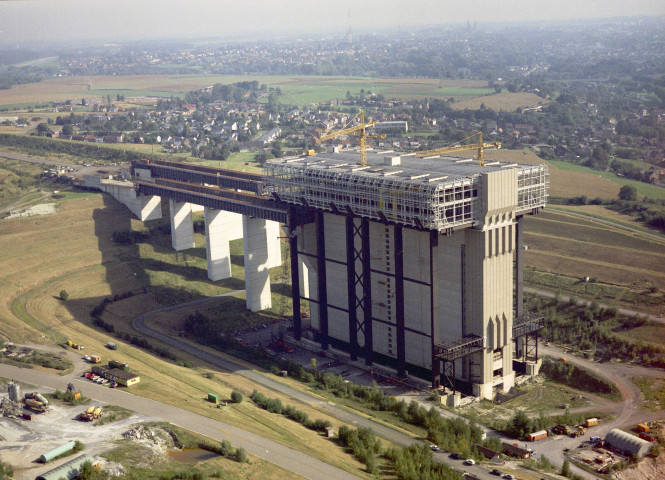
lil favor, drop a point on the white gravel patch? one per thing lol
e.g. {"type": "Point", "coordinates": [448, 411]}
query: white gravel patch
{"type": "Point", "coordinates": [41, 209]}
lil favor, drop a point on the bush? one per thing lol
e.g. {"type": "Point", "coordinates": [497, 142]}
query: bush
{"type": "Point", "coordinates": [240, 456]}
{"type": "Point", "coordinates": [64, 295]}
{"type": "Point", "coordinates": [236, 397]}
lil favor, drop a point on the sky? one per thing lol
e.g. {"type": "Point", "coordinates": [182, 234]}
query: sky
{"type": "Point", "coordinates": [122, 20]}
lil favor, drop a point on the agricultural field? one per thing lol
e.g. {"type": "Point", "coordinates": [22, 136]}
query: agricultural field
{"type": "Point", "coordinates": [296, 90]}
{"type": "Point", "coordinates": [504, 101]}
{"type": "Point", "coordinates": [624, 265]}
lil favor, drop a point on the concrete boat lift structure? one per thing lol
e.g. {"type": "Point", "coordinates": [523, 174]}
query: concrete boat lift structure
{"type": "Point", "coordinates": [412, 263]}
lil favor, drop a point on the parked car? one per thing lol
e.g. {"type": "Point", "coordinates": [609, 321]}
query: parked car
{"type": "Point", "coordinates": [509, 476]}
{"type": "Point", "coordinates": [469, 461]}
{"type": "Point", "coordinates": [496, 472]}
{"type": "Point", "coordinates": [435, 448]}
{"type": "Point", "coordinates": [456, 456]}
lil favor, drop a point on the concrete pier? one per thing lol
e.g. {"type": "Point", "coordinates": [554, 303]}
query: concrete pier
{"type": "Point", "coordinates": [273, 232]}
{"type": "Point", "coordinates": [217, 243]}
{"type": "Point", "coordinates": [182, 227]}
{"type": "Point", "coordinates": [257, 273]}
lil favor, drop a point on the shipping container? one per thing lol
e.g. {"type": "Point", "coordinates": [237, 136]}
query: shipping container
{"type": "Point", "coordinates": [590, 422]}
{"type": "Point", "coordinates": [537, 435]}
{"type": "Point", "coordinates": [213, 398]}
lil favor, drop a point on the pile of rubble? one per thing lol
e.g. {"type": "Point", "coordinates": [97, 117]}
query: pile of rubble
{"type": "Point", "coordinates": [10, 409]}
{"type": "Point", "coordinates": [156, 439]}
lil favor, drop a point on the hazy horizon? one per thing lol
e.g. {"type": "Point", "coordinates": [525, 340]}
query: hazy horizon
{"type": "Point", "coordinates": [123, 20]}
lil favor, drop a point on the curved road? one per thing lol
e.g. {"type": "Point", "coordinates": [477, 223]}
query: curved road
{"type": "Point", "coordinates": [268, 450]}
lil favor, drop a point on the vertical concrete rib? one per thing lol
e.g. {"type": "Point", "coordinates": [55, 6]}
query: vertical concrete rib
{"type": "Point", "coordinates": [351, 287]}
{"type": "Point", "coordinates": [434, 308]}
{"type": "Point", "coordinates": [257, 274]}
{"type": "Point", "coordinates": [367, 292]}
{"type": "Point", "coordinates": [182, 227]}
{"type": "Point", "coordinates": [519, 267]}
{"type": "Point", "coordinates": [217, 244]}
{"type": "Point", "coordinates": [322, 284]}
{"type": "Point", "coordinates": [295, 276]}
{"type": "Point", "coordinates": [399, 298]}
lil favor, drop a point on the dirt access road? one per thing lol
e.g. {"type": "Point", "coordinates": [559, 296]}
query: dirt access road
{"type": "Point", "coordinates": [268, 450]}
{"type": "Point", "coordinates": [628, 411]}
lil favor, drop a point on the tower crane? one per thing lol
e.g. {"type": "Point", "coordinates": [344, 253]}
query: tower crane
{"type": "Point", "coordinates": [358, 130]}
{"type": "Point", "coordinates": [470, 146]}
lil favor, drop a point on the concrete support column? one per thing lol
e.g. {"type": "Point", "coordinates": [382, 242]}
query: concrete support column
{"type": "Point", "coordinates": [148, 207]}
{"type": "Point", "coordinates": [257, 274]}
{"type": "Point", "coordinates": [217, 244]}
{"type": "Point", "coordinates": [182, 227]}
{"type": "Point", "coordinates": [273, 232]}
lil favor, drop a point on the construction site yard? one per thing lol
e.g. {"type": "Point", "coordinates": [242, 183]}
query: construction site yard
{"type": "Point", "coordinates": [24, 441]}
{"type": "Point", "coordinates": [124, 443]}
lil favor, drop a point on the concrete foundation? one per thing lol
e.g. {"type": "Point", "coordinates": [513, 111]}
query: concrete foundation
{"type": "Point", "coordinates": [182, 227]}
{"type": "Point", "coordinates": [533, 368]}
{"type": "Point", "coordinates": [257, 273]}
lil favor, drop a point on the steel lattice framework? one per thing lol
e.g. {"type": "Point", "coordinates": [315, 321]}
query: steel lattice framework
{"type": "Point", "coordinates": [439, 195]}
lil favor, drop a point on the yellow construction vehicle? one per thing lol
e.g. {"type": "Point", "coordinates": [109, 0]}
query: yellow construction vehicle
{"type": "Point", "coordinates": [459, 148]}
{"type": "Point", "coordinates": [360, 131]}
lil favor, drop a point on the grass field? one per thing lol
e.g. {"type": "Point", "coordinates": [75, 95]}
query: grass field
{"type": "Point", "coordinates": [537, 398]}
{"type": "Point", "coordinates": [653, 390]}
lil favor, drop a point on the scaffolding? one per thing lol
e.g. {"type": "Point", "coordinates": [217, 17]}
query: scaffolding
{"type": "Point", "coordinates": [418, 193]}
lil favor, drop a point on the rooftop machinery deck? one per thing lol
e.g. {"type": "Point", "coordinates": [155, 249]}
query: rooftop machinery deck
{"type": "Point", "coordinates": [433, 193]}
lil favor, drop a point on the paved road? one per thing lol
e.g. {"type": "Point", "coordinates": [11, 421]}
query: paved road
{"type": "Point", "coordinates": [266, 449]}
